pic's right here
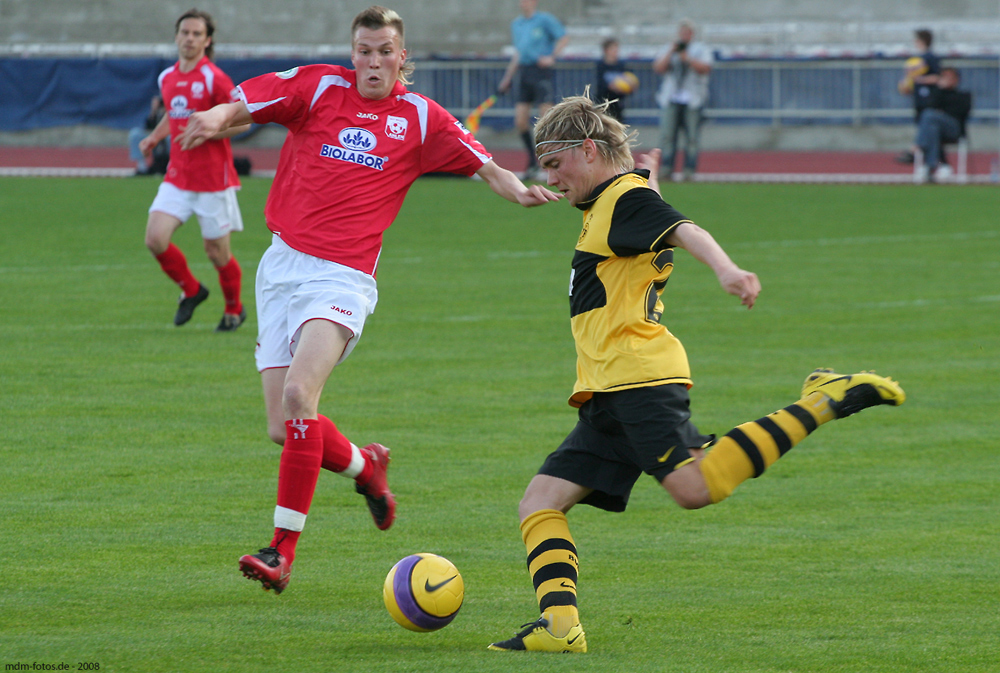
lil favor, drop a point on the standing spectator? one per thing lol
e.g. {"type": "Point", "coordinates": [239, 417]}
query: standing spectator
{"type": "Point", "coordinates": [539, 38]}
{"type": "Point", "coordinates": [920, 78]}
{"type": "Point", "coordinates": [942, 121]}
{"type": "Point", "coordinates": [160, 153]}
{"type": "Point", "coordinates": [614, 82]}
{"type": "Point", "coordinates": [357, 140]}
{"type": "Point", "coordinates": [202, 182]}
{"type": "Point", "coordinates": [685, 66]}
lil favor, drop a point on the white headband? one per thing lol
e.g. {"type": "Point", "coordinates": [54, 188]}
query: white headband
{"type": "Point", "coordinates": [568, 147]}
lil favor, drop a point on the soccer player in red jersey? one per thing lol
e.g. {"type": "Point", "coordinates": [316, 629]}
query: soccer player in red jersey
{"type": "Point", "coordinates": [202, 182]}
{"type": "Point", "coordinates": [357, 140]}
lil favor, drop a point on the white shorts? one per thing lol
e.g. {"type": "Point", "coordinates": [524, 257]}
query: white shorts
{"type": "Point", "coordinates": [293, 288]}
{"type": "Point", "coordinates": [218, 212]}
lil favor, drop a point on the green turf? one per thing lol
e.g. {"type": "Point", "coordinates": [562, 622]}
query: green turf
{"type": "Point", "coordinates": [136, 469]}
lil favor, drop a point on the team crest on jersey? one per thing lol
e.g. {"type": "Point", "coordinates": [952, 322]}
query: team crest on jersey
{"type": "Point", "coordinates": [197, 89]}
{"type": "Point", "coordinates": [395, 127]}
{"type": "Point", "coordinates": [179, 107]}
{"type": "Point", "coordinates": [287, 74]}
{"type": "Point", "coordinates": [586, 228]}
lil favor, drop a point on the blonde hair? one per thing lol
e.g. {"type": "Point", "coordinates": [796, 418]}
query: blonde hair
{"type": "Point", "coordinates": [576, 118]}
{"type": "Point", "coordinates": [375, 18]}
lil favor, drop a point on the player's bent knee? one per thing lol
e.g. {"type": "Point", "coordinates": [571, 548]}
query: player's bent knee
{"type": "Point", "coordinates": [157, 244]}
{"type": "Point", "coordinates": [218, 251]}
{"type": "Point", "coordinates": [299, 400]}
{"type": "Point", "coordinates": [690, 500]}
{"type": "Point", "coordinates": [687, 487]}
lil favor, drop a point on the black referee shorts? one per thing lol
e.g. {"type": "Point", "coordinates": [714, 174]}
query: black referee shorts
{"type": "Point", "coordinates": [536, 85]}
{"type": "Point", "coordinates": [622, 434]}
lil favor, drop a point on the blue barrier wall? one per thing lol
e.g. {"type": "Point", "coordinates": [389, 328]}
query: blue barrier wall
{"type": "Point", "coordinates": [111, 92]}
{"type": "Point", "coordinates": [114, 92]}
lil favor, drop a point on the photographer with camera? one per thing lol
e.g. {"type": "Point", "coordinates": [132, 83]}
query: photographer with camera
{"type": "Point", "coordinates": [685, 66]}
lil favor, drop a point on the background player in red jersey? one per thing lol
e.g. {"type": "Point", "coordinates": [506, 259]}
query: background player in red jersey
{"type": "Point", "coordinates": [357, 140]}
{"type": "Point", "coordinates": [202, 182]}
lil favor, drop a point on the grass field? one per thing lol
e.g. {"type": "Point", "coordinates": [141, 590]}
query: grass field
{"type": "Point", "coordinates": [136, 469]}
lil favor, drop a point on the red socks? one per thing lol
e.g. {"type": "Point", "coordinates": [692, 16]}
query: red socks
{"type": "Point", "coordinates": [230, 277]}
{"type": "Point", "coordinates": [310, 444]}
{"type": "Point", "coordinates": [297, 476]}
{"type": "Point", "coordinates": [175, 265]}
{"type": "Point", "coordinates": [339, 454]}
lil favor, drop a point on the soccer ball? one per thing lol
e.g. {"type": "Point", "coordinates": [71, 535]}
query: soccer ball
{"type": "Point", "coordinates": [624, 84]}
{"type": "Point", "coordinates": [423, 592]}
{"type": "Point", "coordinates": [914, 67]}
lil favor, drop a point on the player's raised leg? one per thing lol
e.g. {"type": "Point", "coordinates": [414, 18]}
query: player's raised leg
{"type": "Point", "coordinates": [749, 449]}
{"type": "Point", "coordinates": [311, 442]}
{"type": "Point", "coordinates": [553, 564]}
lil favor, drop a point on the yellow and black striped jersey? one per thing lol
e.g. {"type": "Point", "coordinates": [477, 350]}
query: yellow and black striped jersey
{"type": "Point", "coordinates": [620, 267]}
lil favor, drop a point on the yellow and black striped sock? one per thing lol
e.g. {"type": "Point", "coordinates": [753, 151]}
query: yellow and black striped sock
{"type": "Point", "coordinates": [749, 449]}
{"type": "Point", "coordinates": [553, 566]}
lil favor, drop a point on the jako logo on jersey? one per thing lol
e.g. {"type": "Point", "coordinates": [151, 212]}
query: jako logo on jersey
{"type": "Point", "coordinates": [367, 115]}
{"type": "Point", "coordinates": [341, 310]}
{"type": "Point", "coordinates": [179, 108]}
{"type": "Point", "coordinates": [395, 127]}
{"type": "Point", "coordinates": [354, 138]}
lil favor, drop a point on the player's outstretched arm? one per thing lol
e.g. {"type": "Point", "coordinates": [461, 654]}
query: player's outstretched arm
{"type": "Point", "coordinates": [231, 131]}
{"type": "Point", "coordinates": [203, 126]}
{"type": "Point", "coordinates": [506, 184]}
{"type": "Point", "coordinates": [704, 248]}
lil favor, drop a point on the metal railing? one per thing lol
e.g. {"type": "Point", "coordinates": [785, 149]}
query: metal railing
{"type": "Point", "coordinates": [771, 92]}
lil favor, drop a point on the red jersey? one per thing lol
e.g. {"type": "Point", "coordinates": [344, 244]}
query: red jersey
{"type": "Point", "coordinates": [348, 161]}
{"type": "Point", "coordinates": [208, 167]}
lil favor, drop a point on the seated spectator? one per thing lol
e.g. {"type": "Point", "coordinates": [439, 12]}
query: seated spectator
{"type": "Point", "coordinates": [161, 153]}
{"type": "Point", "coordinates": [942, 121]}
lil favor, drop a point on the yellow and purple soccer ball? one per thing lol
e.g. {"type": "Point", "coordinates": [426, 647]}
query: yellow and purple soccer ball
{"type": "Point", "coordinates": [423, 592]}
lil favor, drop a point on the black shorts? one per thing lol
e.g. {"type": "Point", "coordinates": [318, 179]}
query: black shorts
{"type": "Point", "coordinates": [622, 434]}
{"type": "Point", "coordinates": [536, 85]}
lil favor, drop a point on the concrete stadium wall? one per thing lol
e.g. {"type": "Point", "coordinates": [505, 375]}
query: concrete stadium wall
{"type": "Point", "coordinates": [482, 26]}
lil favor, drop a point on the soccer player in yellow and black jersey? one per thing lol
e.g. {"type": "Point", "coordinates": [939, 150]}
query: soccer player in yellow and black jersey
{"type": "Point", "coordinates": [633, 374]}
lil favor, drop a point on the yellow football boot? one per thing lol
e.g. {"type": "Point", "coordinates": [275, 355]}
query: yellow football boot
{"type": "Point", "coordinates": [536, 637]}
{"type": "Point", "coordinates": [851, 393]}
